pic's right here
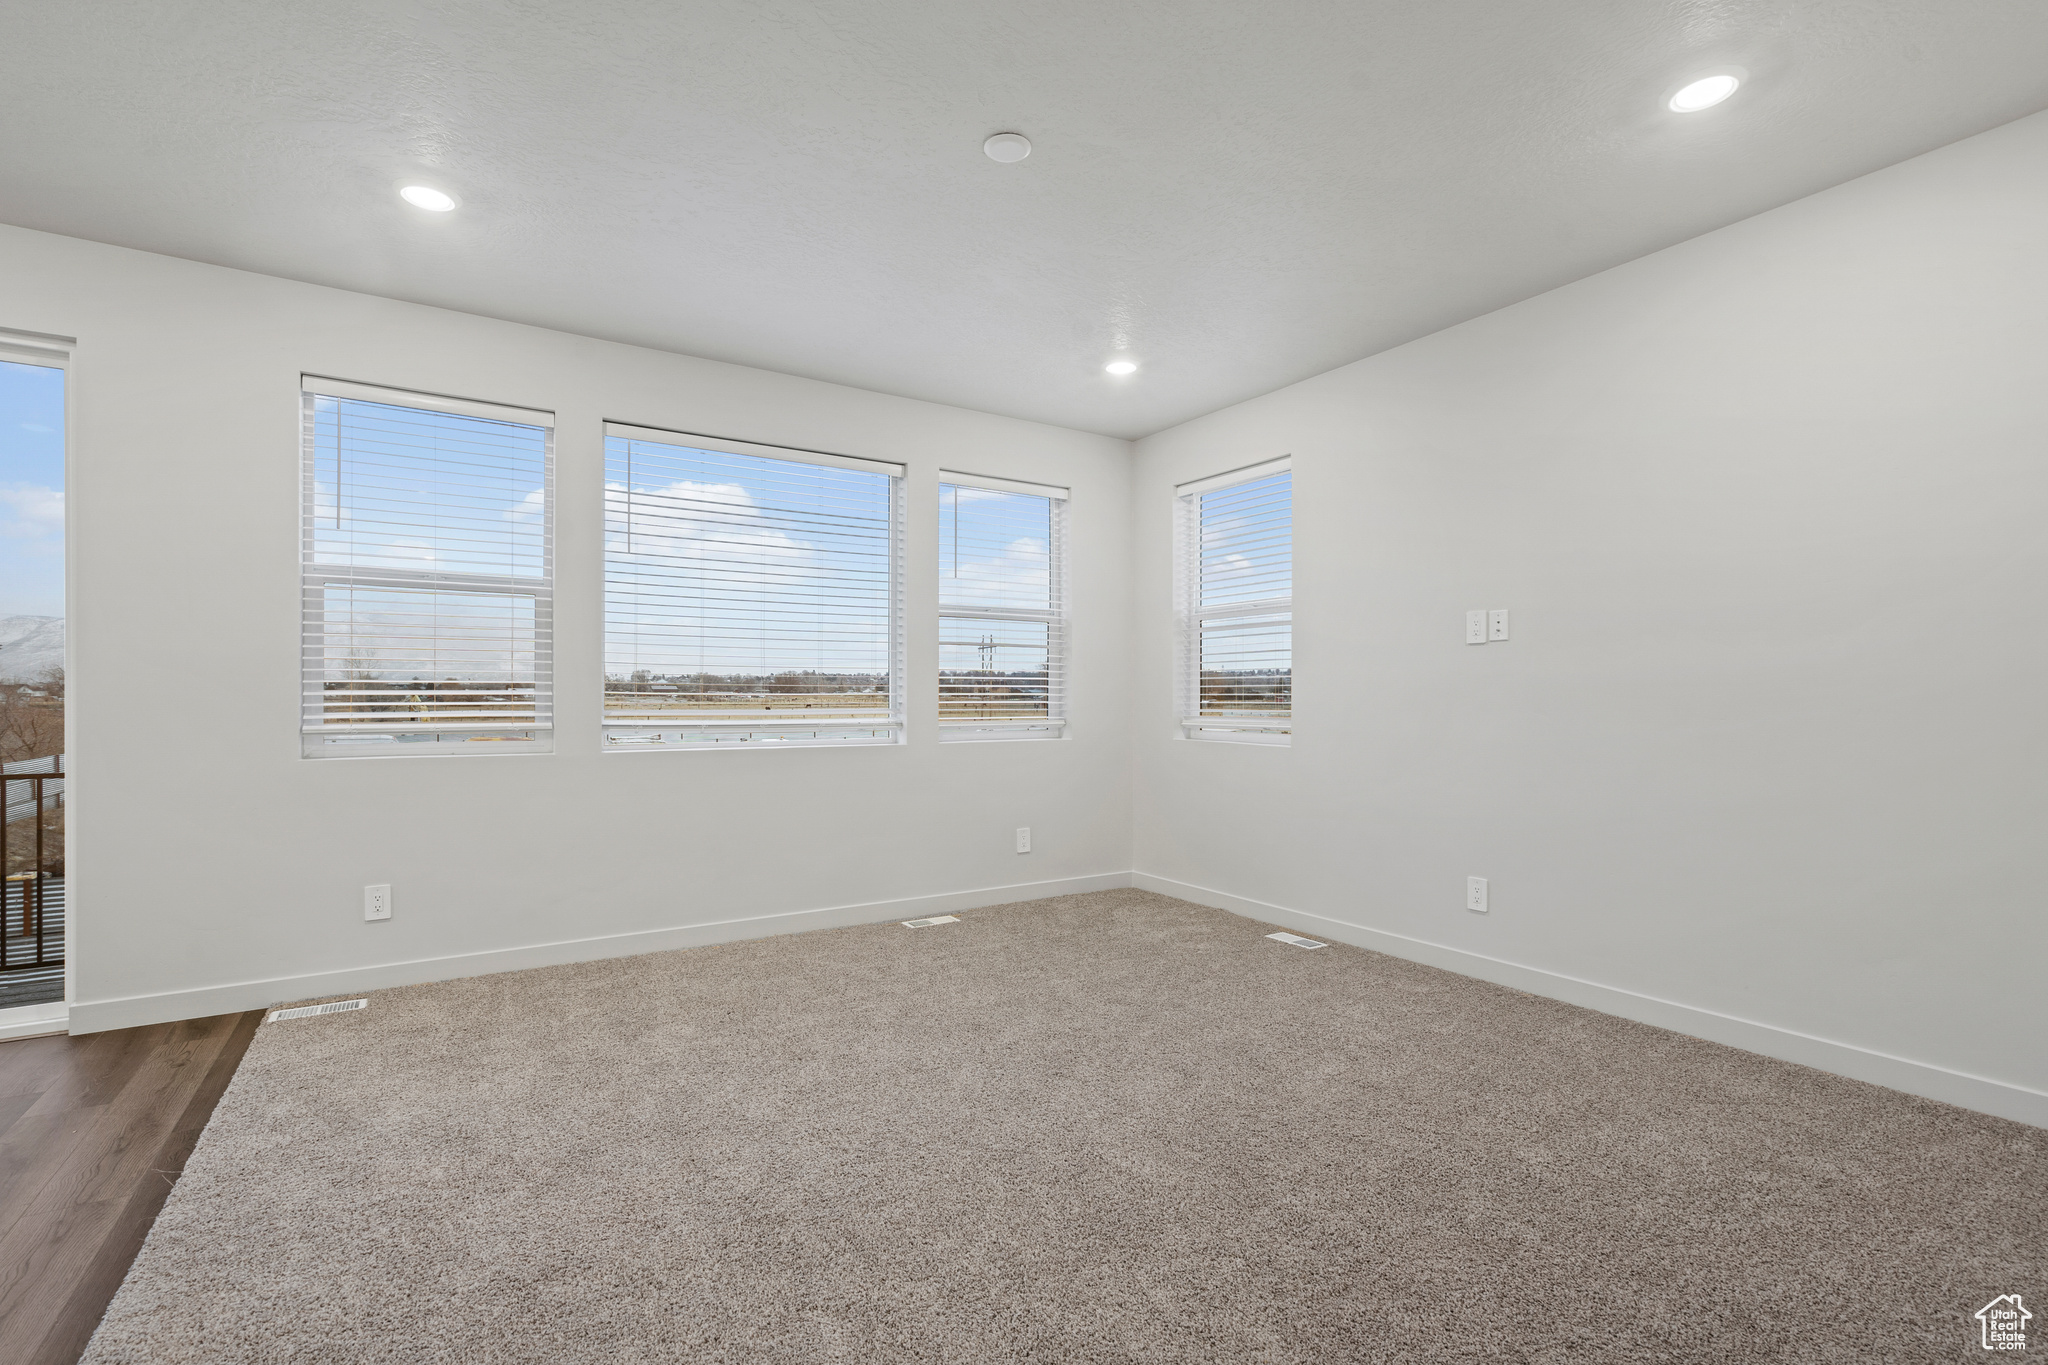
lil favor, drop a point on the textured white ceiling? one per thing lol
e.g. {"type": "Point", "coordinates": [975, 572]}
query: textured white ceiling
{"type": "Point", "coordinates": [1239, 195]}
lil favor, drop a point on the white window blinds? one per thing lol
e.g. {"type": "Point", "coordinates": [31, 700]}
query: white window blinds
{"type": "Point", "coordinates": [751, 594]}
{"type": "Point", "coordinates": [427, 574]}
{"type": "Point", "coordinates": [1236, 591]}
{"type": "Point", "coordinates": [1002, 622]}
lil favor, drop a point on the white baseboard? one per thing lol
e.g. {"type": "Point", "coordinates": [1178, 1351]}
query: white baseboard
{"type": "Point", "coordinates": [2002, 1098]}
{"type": "Point", "coordinates": [1959, 1088]}
{"type": "Point", "coordinates": [33, 1021]}
{"type": "Point", "coordinates": [96, 1016]}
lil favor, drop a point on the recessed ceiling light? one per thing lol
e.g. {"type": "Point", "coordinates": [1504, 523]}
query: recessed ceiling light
{"type": "Point", "coordinates": [1007, 147]}
{"type": "Point", "coordinates": [427, 197]}
{"type": "Point", "coordinates": [1122, 367]}
{"type": "Point", "coordinates": [1705, 93]}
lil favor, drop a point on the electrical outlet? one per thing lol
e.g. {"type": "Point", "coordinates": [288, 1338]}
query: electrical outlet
{"type": "Point", "coordinates": [1475, 627]}
{"type": "Point", "coordinates": [1496, 625]}
{"type": "Point", "coordinates": [377, 902]}
{"type": "Point", "coordinates": [1475, 894]}
{"type": "Point", "coordinates": [1024, 838]}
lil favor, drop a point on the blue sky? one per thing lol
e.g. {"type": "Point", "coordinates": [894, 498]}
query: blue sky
{"type": "Point", "coordinates": [31, 490]}
{"type": "Point", "coordinates": [742, 564]}
{"type": "Point", "coordinates": [409, 489]}
{"type": "Point", "coordinates": [734, 564]}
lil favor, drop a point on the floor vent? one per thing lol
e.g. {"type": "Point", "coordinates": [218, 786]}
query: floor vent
{"type": "Point", "coordinates": [1298, 941]}
{"type": "Point", "coordinates": [307, 1011]}
{"type": "Point", "coordinates": [928, 923]}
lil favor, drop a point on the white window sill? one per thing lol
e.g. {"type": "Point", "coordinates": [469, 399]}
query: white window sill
{"type": "Point", "coordinates": [1224, 735]}
{"type": "Point", "coordinates": [999, 732]}
{"type": "Point", "coordinates": [698, 738]}
{"type": "Point", "coordinates": [430, 745]}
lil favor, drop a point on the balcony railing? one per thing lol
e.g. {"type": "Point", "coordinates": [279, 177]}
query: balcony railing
{"type": "Point", "coordinates": [32, 937]}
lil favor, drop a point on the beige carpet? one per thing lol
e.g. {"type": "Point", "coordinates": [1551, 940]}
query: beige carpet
{"type": "Point", "coordinates": [1112, 1127]}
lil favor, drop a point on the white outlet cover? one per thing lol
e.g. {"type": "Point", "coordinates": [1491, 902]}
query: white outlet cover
{"type": "Point", "coordinates": [1475, 894]}
{"type": "Point", "coordinates": [1475, 627]}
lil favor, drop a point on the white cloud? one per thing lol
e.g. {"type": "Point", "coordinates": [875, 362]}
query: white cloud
{"type": "Point", "coordinates": [1016, 575]}
{"type": "Point", "coordinates": [408, 551]}
{"type": "Point", "coordinates": [30, 511]}
{"type": "Point", "coordinates": [691, 536]}
{"type": "Point", "coordinates": [325, 509]}
{"type": "Point", "coordinates": [698, 521]}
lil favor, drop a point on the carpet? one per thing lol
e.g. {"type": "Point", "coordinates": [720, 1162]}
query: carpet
{"type": "Point", "coordinates": [1105, 1127]}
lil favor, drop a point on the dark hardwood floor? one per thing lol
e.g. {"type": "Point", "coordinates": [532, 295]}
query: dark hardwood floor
{"type": "Point", "coordinates": [93, 1133]}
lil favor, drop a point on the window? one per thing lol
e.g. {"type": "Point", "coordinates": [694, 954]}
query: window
{"type": "Point", "coordinates": [1236, 595]}
{"type": "Point", "coordinates": [33, 937]}
{"type": "Point", "coordinates": [751, 594]}
{"type": "Point", "coordinates": [1002, 625]}
{"type": "Point", "coordinates": [428, 574]}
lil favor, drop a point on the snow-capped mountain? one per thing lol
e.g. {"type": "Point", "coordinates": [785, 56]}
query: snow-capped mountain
{"type": "Point", "coordinates": [30, 646]}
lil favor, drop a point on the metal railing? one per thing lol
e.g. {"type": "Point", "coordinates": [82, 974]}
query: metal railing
{"type": "Point", "coordinates": [31, 935]}
{"type": "Point", "coordinates": [20, 800]}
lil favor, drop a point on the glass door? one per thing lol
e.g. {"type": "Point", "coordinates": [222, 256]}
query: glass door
{"type": "Point", "coordinates": [32, 683]}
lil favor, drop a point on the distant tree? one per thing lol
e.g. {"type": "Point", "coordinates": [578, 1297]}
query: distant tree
{"type": "Point", "coordinates": [32, 718]}
{"type": "Point", "coordinates": [359, 675]}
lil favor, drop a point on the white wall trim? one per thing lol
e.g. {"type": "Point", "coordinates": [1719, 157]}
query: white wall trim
{"type": "Point", "coordinates": [95, 1016]}
{"type": "Point", "coordinates": [1960, 1088]}
{"type": "Point", "coordinates": [1981, 1093]}
{"type": "Point", "coordinates": [33, 1021]}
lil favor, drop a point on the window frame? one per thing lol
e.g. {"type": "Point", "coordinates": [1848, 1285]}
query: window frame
{"type": "Point", "coordinates": [54, 352]}
{"type": "Point", "coordinates": [1057, 633]}
{"type": "Point", "coordinates": [763, 731]}
{"type": "Point", "coordinates": [1191, 620]}
{"type": "Point", "coordinates": [317, 739]}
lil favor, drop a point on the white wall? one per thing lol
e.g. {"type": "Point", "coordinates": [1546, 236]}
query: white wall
{"type": "Point", "coordinates": [1767, 746]}
{"type": "Point", "coordinates": [212, 868]}
{"type": "Point", "coordinates": [1762, 762]}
